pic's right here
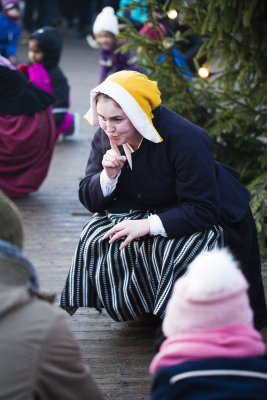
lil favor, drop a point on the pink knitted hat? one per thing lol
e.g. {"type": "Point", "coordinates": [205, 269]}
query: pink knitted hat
{"type": "Point", "coordinates": [212, 294]}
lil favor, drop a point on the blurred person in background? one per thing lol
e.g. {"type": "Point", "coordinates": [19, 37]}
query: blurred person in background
{"type": "Point", "coordinates": [44, 52]}
{"type": "Point", "coordinates": [38, 13]}
{"type": "Point", "coordinates": [9, 29]}
{"type": "Point", "coordinates": [27, 133]}
{"type": "Point", "coordinates": [106, 31]}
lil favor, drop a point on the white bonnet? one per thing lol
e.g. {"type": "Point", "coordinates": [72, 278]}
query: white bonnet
{"type": "Point", "coordinates": [106, 21]}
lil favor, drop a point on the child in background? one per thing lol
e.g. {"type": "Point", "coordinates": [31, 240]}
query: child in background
{"type": "Point", "coordinates": [44, 51]}
{"type": "Point", "coordinates": [149, 28]}
{"type": "Point", "coordinates": [105, 30]}
{"type": "Point", "coordinates": [155, 34]}
{"type": "Point", "coordinates": [212, 349]}
{"type": "Point", "coordinates": [159, 34]}
{"type": "Point", "coordinates": [9, 29]}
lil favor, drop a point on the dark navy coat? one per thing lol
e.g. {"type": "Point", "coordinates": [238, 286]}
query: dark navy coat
{"type": "Point", "coordinates": [178, 179]}
{"type": "Point", "coordinates": [212, 379]}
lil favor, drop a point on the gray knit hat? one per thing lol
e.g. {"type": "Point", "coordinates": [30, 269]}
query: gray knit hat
{"type": "Point", "coordinates": [11, 229]}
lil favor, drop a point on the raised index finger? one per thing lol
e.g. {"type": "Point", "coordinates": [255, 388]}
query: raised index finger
{"type": "Point", "coordinates": [114, 145]}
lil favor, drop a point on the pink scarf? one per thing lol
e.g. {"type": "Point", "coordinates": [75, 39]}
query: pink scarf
{"type": "Point", "coordinates": [229, 341]}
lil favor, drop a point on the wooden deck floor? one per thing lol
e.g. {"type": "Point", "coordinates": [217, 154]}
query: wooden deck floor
{"type": "Point", "coordinates": [118, 353]}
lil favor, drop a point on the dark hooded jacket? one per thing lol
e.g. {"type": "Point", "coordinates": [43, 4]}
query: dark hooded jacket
{"type": "Point", "coordinates": [50, 42]}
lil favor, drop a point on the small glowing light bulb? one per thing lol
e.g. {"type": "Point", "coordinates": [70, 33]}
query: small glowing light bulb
{"type": "Point", "coordinates": [203, 72]}
{"type": "Point", "coordinates": [172, 14]}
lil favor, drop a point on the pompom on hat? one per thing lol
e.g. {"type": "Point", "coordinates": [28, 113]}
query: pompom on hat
{"type": "Point", "coordinates": [136, 95]}
{"type": "Point", "coordinates": [212, 294]}
{"type": "Point", "coordinates": [9, 4]}
{"type": "Point", "coordinates": [106, 21]}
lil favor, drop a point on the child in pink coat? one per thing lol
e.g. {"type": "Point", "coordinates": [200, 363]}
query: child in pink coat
{"type": "Point", "coordinates": [44, 51]}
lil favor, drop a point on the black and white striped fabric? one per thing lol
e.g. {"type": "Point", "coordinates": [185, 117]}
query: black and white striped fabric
{"type": "Point", "coordinates": [135, 280]}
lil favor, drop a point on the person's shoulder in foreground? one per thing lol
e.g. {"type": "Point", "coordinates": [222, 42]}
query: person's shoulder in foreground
{"type": "Point", "coordinates": [44, 357]}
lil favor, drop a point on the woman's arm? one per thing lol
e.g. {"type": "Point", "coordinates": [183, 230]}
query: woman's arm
{"type": "Point", "coordinates": [196, 187]}
{"type": "Point", "coordinates": [197, 205]}
{"type": "Point", "coordinates": [101, 157]}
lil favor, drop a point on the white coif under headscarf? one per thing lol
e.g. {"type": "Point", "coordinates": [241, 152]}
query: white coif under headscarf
{"type": "Point", "coordinates": [136, 95]}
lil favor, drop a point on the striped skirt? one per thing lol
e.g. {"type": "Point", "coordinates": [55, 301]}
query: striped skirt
{"type": "Point", "coordinates": [133, 281]}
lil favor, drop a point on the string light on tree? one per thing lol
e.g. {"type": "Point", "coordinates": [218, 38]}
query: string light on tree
{"type": "Point", "coordinates": [172, 14]}
{"type": "Point", "coordinates": [203, 72]}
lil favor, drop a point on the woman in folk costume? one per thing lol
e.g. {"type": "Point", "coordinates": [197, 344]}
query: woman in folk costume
{"type": "Point", "coordinates": [27, 133]}
{"type": "Point", "coordinates": [211, 348]}
{"type": "Point", "coordinates": [160, 199]}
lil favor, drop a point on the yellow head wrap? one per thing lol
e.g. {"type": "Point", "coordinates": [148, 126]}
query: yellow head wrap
{"type": "Point", "coordinates": [136, 95]}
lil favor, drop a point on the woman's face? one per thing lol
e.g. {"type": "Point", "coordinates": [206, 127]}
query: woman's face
{"type": "Point", "coordinates": [116, 124]}
{"type": "Point", "coordinates": [35, 54]}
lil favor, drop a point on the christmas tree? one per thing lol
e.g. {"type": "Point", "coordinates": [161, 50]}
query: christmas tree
{"type": "Point", "coordinates": [230, 38]}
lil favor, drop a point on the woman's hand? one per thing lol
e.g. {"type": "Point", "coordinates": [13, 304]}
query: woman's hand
{"type": "Point", "coordinates": [113, 161]}
{"type": "Point", "coordinates": [131, 229]}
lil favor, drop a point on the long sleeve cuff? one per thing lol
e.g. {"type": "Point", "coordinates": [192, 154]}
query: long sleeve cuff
{"type": "Point", "coordinates": [156, 226]}
{"type": "Point", "coordinates": [107, 184]}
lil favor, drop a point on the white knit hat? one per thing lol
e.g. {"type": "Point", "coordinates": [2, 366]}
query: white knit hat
{"type": "Point", "coordinates": [106, 21]}
{"type": "Point", "coordinates": [212, 294]}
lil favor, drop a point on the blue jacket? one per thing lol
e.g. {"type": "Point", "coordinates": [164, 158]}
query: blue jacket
{"type": "Point", "coordinates": [136, 14]}
{"type": "Point", "coordinates": [212, 379]}
{"type": "Point", "coordinates": [9, 36]}
{"type": "Point", "coordinates": [178, 179]}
